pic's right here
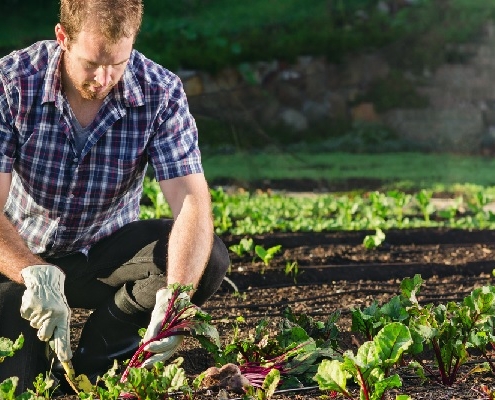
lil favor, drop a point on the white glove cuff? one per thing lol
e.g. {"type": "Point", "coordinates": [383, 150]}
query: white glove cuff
{"type": "Point", "coordinates": [163, 297]}
{"type": "Point", "coordinates": [45, 274]}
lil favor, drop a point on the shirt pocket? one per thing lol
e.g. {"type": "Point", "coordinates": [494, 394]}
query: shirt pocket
{"type": "Point", "coordinates": [113, 179]}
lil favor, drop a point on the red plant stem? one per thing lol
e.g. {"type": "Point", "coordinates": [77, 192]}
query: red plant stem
{"type": "Point", "coordinates": [492, 367]}
{"type": "Point", "coordinates": [364, 386]}
{"type": "Point", "coordinates": [172, 328]}
{"type": "Point", "coordinates": [428, 370]}
{"type": "Point", "coordinates": [441, 366]}
{"type": "Point", "coordinates": [453, 375]}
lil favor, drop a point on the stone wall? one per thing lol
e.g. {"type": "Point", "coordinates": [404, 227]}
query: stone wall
{"type": "Point", "coordinates": [460, 116]}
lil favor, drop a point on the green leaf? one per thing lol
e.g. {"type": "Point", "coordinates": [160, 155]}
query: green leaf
{"type": "Point", "coordinates": [366, 357]}
{"type": "Point", "coordinates": [391, 342]}
{"type": "Point", "coordinates": [7, 388]}
{"type": "Point", "coordinates": [9, 347]}
{"type": "Point", "coordinates": [395, 310]}
{"type": "Point", "coordinates": [411, 287]}
{"type": "Point", "coordinates": [332, 375]}
{"type": "Point", "coordinates": [384, 384]}
{"type": "Point", "coordinates": [266, 255]}
{"type": "Point", "coordinates": [271, 382]}
{"type": "Point", "coordinates": [373, 241]}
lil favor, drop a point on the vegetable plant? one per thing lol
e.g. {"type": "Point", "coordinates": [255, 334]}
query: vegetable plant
{"type": "Point", "coordinates": [370, 320]}
{"type": "Point", "coordinates": [369, 367]}
{"type": "Point", "coordinates": [9, 347]}
{"type": "Point", "coordinates": [244, 213]}
{"type": "Point", "coordinates": [245, 246]}
{"type": "Point", "coordinates": [423, 197]}
{"type": "Point", "coordinates": [267, 389]}
{"type": "Point", "coordinates": [291, 351]}
{"type": "Point", "coordinates": [371, 242]}
{"type": "Point", "coordinates": [153, 192]}
{"type": "Point", "coordinates": [325, 333]}
{"type": "Point", "coordinates": [450, 329]}
{"type": "Point", "coordinates": [266, 255]}
{"type": "Point", "coordinates": [292, 268]}
{"type": "Point", "coordinates": [141, 383]}
{"type": "Point", "coordinates": [181, 315]}
{"type": "Point", "coordinates": [398, 203]}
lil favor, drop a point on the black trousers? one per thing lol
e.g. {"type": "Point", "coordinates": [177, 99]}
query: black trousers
{"type": "Point", "coordinates": [135, 256]}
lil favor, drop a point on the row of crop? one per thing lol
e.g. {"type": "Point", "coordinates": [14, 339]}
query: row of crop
{"type": "Point", "coordinates": [435, 341]}
{"type": "Point", "coordinates": [244, 213]}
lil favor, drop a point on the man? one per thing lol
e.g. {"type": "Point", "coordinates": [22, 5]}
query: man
{"type": "Point", "coordinates": [80, 118]}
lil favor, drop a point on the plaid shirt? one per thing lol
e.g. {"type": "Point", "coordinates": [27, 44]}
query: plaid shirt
{"type": "Point", "coordinates": [62, 202]}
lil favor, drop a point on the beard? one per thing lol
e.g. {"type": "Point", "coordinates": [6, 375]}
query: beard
{"type": "Point", "coordinates": [88, 90]}
{"type": "Point", "coordinates": [91, 90]}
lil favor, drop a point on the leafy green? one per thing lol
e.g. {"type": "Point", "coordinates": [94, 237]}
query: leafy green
{"type": "Point", "coordinates": [369, 367]}
{"type": "Point", "coordinates": [9, 347]}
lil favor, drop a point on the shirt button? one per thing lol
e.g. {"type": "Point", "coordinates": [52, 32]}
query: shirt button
{"type": "Point", "coordinates": [76, 160]}
{"type": "Point", "coordinates": [71, 196]}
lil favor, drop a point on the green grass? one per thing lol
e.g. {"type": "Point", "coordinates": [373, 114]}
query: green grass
{"type": "Point", "coordinates": [400, 170]}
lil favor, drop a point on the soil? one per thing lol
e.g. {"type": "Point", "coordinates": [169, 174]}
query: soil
{"type": "Point", "coordinates": [336, 272]}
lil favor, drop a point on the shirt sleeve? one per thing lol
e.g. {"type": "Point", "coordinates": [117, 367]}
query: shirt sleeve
{"type": "Point", "coordinates": [7, 137]}
{"type": "Point", "coordinates": [174, 150]}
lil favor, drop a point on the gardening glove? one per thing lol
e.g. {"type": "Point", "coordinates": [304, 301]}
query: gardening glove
{"type": "Point", "coordinates": [166, 347]}
{"type": "Point", "coordinates": [45, 306]}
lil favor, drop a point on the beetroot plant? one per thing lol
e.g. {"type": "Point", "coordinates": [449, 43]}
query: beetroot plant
{"type": "Point", "coordinates": [450, 330]}
{"type": "Point", "coordinates": [181, 317]}
{"type": "Point", "coordinates": [325, 333]}
{"type": "Point", "coordinates": [291, 351]}
{"type": "Point", "coordinates": [370, 320]}
{"type": "Point", "coordinates": [159, 382]}
{"type": "Point", "coordinates": [369, 367]}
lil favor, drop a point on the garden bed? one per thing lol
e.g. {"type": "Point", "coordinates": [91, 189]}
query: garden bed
{"type": "Point", "coordinates": [336, 272]}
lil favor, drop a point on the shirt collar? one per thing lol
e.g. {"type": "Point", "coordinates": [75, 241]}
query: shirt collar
{"type": "Point", "coordinates": [52, 84]}
{"type": "Point", "coordinates": [127, 90]}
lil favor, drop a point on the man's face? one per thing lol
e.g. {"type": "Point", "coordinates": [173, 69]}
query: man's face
{"type": "Point", "coordinates": [91, 64]}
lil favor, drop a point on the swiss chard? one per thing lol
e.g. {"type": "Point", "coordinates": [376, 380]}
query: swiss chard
{"type": "Point", "coordinates": [449, 330]}
{"type": "Point", "coordinates": [369, 367]}
{"type": "Point", "coordinates": [325, 333]}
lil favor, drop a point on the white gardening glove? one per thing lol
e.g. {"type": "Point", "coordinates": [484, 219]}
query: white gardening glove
{"type": "Point", "coordinates": [45, 306]}
{"type": "Point", "coordinates": [163, 348]}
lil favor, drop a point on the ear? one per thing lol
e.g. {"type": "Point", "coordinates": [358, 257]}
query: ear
{"type": "Point", "coordinates": [61, 36]}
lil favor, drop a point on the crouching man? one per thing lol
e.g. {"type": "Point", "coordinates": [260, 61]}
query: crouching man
{"type": "Point", "coordinates": [80, 119]}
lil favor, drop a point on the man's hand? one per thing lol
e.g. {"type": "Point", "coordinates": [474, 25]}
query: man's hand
{"type": "Point", "coordinates": [45, 306]}
{"type": "Point", "coordinates": [163, 348]}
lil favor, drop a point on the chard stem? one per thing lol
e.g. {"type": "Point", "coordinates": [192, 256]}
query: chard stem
{"type": "Point", "coordinates": [364, 385]}
{"type": "Point", "coordinates": [441, 366]}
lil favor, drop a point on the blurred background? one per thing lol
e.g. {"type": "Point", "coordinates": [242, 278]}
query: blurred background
{"type": "Point", "coordinates": [322, 94]}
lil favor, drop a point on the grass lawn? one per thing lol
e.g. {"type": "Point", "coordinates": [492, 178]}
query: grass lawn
{"type": "Point", "coordinates": [400, 170]}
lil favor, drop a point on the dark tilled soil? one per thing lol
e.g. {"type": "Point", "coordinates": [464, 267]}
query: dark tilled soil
{"type": "Point", "coordinates": [337, 273]}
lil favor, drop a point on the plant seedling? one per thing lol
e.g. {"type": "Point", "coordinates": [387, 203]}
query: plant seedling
{"type": "Point", "coordinates": [245, 246]}
{"type": "Point", "coordinates": [371, 242]}
{"type": "Point", "coordinates": [292, 268]}
{"type": "Point", "coordinates": [266, 255]}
